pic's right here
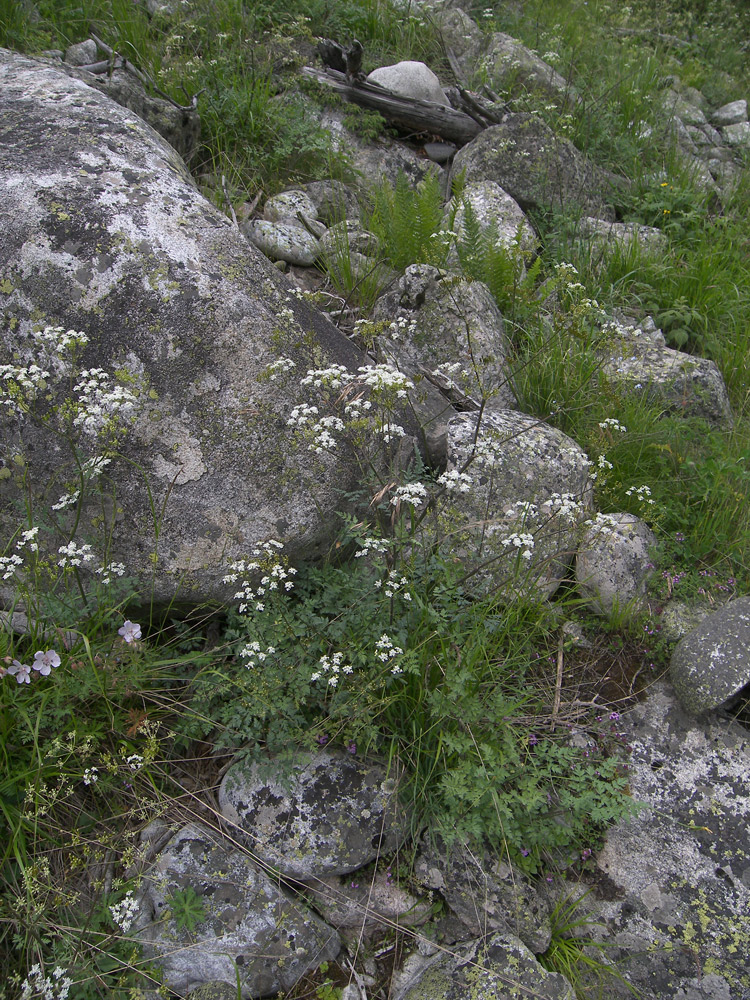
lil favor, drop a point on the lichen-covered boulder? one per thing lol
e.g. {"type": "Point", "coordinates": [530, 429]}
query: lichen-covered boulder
{"type": "Point", "coordinates": [409, 79]}
{"type": "Point", "coordinates": [373, 162]}
{"type": "Point", "coordinates": [730, 114]}
{"type": "Point", "coordinates": [105, 232]}
{"type": "Point", "coordinates": [288, 241]}
{"type": "Point", "coordinates": [333, 201]}
{"type": "Point", "coordinates": [500, 966]}
{"type": "Point", "coordinates": [287, 204]}
{"type": "Point", "coordinates": [613, 562]}
{"type": "Point", "coordinates": [493, 209]}
{"type": "Point", "coordinates": [672, 900]}
{"type": "Point", "coordinates": [605, 239]}
{"type": "Point", "coordinates": [208, 914]}
{"type": "Point", "coordinates": [537, 168]}
{"type": "Point", "coordinates": [362, 904]}
{"type": "Point", "coordinates": [712, 662]}
{"type": "Point", "coordinates": [450, 331]}
{"type": "Point", "coordinates": [485, 892]}
{"type": "Point", "coordinates": [520, 489]}
{"type": "Point", "coordinates": [322, 814]}
{"type": "Point", "coordinates": [512, 67]}
{"type": "Point", "coordinates": [682, 383]}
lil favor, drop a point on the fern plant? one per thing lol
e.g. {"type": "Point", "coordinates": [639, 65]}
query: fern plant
{"type": "Point", "coordinates": [408, 221]}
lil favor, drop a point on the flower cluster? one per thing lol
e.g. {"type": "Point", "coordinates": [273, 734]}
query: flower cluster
{"type": "Point", "coordinates": [402, 327]}
{"type": "Point", "coordinates": [330, 668]}
{"type": "Point", "coordinates": [605, 524]}
{"type": "Point", "coordinates": [523, 541]}
{"type": "Point", "coordinates": [371, 544]}
{"type": "Point", "coordinates": [101, 405]}
{"type": "Point", "coordinates": [54, 987]}
{"type": "Point", "coordinates": [19, 386]}
{"type": "Point", "coordinates": [276, 573]}
{"type": "Point", "coordinates": [454, 481]}
{"type": "Point", "coordinates": [641, 493]}
{"type": "Point", "coordinates": [124, 912]}
{"type": "Point", "coordinates": [415, 494]}
{"type": "Point", "coordinates": [611, 424]}
{"type": "Point", "coordinates": [254, 655]}
{"type": "Point", "coordinates": [385, 381]}
{"type": "Point", "coordinates": [333, 377]}
{"type": "Point", "coordinates": [279, 367]}
{"type": "Point", "coordinates": [387, 652]}
{"type": "Point", "coordinates": [394, 584]}
{"type": "Point", "coordinates": [74, 555]}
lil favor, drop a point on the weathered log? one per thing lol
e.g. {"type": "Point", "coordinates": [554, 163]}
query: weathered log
{"type": "Point", "coordinates": [418, 116]}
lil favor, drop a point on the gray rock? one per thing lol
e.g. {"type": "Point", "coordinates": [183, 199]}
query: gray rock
{"type": "Point", "coordinates": [410, 79]}
{"type": "Point", "coordinates": [323, 814]}
{"type": "Point", "coordinates": [678, 618]}
{"type": "Point", "coordinates": [106, 233]}
{"type": "Point", "coordinates": [680, 382]}
{"type": "Point", "coordinates": [82, 53]}
{"type": "Point", "coordinates": [613, 564]}
{"type": "Point", "coordinates": [440, 152]}
{"type": "Point", "coordinates": [536, 167]}
{"type": "Point", "coordinates": [730, 114]}
{"type": "Point", "coordinates": [737, 135]}
{"type": "Point", "coordinates": [687, 111]}
{"type": "Point", "coordinates": [512, 67]}
{"type": "Point", "coordinates": [374, 162]}
{"type": "Point", "coordinates": [180, 127]}
{"type": "Point", "coordinates": [673, 906]}
{"type": "Point", "coordinates": [450, 332]}
{"type": "Point", "coordinates": [363, 904]}
{"type": "Point", "coordinates": [347, 237]}
{"type": "Point", "coordinates": [284, 206]}
{"type": "Point", "coordinates": [244, 922]}
{"type": "Point", "coordinates": [215, 990]}
{"type": "Point", "coordinates": [516, 526]}
{"type": "Point", "coordinates": [486, 893]}
{"type": "Point", "coordinates": [493, 208]}
{"type": "Point", "coordinates": [461, 36]}
{"type": "Point", "coordinates": [495, 968]}
{"type": "Point", "coordinates": [288, 241]}
{"type": "Point", "coordinates": [604, 239]}
{"type": "Point", "coordinates": [712, 663]}
{"type": "Point", "coordinates": [333, 201]}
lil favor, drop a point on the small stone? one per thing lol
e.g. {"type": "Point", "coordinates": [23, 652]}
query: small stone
{"type": "Point", "coordinates": [82, 53]}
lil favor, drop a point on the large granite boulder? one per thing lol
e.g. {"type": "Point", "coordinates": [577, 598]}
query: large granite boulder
{"type": "Point", "coordinates": [537, 168]}
{"type": "Point", "coordinates": [106, 233]}
{"type": "Point", "coordinates": [323, 814]}
{"type": "Point", "coordinates": [682, 383]}
{"type": "Point", "coordinates": [208, 914]}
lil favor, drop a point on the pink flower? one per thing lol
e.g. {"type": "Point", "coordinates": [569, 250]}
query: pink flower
{"type": "Point", "coordinates": [21, 671]}
{"type": "Point", "coordinates": [44, 662]}
{"type": "Point", "coordinates": [130, 631]}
